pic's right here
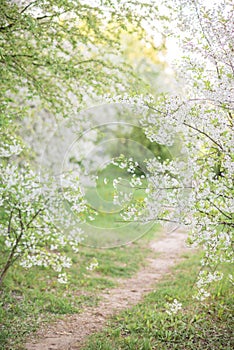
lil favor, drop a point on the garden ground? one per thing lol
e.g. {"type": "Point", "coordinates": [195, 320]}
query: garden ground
{"type": "Point", "coordinates": [121, 305]}
{"type": "Point", "coordinates": [70, 333]}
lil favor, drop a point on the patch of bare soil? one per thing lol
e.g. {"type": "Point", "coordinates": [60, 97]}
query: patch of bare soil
{"type": "Point", "coordinates": [70, 333]}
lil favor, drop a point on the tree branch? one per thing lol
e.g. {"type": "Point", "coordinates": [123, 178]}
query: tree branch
{"type": "Point", "coordinates": [26, 7]}
{"type": "Point", "coordinates": [203, 133]}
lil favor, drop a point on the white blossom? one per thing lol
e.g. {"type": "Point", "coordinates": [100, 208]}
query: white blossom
{"type": "Point", "coordinates": [174, 307]}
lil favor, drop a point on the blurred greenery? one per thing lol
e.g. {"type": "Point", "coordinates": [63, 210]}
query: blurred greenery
{"type": "Point", "coordinates": [108, 229]}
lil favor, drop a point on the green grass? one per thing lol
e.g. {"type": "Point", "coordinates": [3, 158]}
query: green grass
{"type": "Point", "coordinates": [108, 229]}
{"type": "Point", "coordinates": [31, 297]}
{"type": "Point", "coordinates": [206, 325]}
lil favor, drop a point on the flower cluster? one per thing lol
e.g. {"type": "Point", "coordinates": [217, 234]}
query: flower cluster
{"type": "Point", "coordinates": [204, 279]}
{"type": "Point", "coordinates": [93, 265]}
{"type": "Point", "coordinates": [173, 308]}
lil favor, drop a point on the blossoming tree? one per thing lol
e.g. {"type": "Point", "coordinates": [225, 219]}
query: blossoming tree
{"type": "Point", "coordinates": [195, 188]}
{"type": "Point", "coordinates": [58, 55]}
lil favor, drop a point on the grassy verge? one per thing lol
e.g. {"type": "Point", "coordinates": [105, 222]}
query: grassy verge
{"type": "Point", "coordinates": [147, 326]}
{"type": "Point", "coordinates": [30, 297]}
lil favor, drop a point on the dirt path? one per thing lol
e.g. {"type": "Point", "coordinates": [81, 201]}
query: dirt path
{"type": "Point", "coordinates": [70, 333]}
